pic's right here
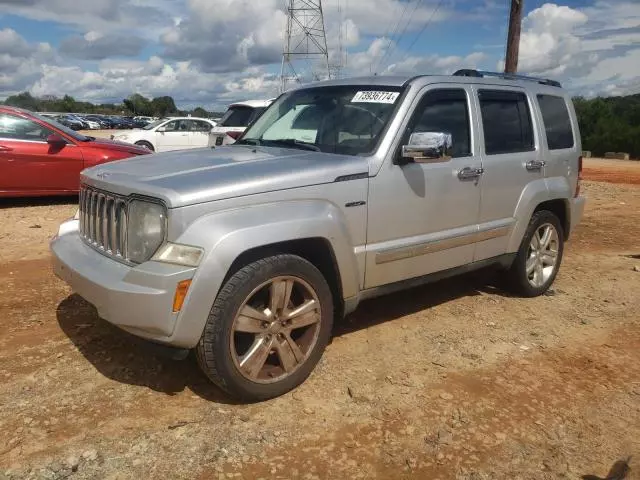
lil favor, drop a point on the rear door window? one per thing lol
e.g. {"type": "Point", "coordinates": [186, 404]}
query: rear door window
{"type": "Point", "coordinates": [557, 123]}
{"type": "Point", "coordinates": [506, 121]}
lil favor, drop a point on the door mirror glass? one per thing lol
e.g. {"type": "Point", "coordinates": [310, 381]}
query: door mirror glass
{"type": "Point", "coordinates": [428, 147]}
{"type": "Point", "coordinates": [55, 139]}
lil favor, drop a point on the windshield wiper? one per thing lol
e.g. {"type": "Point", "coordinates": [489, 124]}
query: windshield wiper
{"type": "Point", "coordinates": [292, 142]}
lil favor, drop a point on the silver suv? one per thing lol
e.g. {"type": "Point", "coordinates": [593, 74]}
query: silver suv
{"type": "Point", "coordinates": [341, 191]}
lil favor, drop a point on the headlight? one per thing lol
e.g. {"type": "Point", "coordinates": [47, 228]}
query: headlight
{"type": "Point", "coordinates": [179, 254]}
{"type": "Point", "coordinates": [146, 229]}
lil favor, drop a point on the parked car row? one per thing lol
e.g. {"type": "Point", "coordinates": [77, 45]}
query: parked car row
{"type": "Point", "coordinates": [98, 122]}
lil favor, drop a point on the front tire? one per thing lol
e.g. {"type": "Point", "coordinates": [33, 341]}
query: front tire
{"type": "Point", "coordinates": [146, 145]}
{"type": "Point", "coordinates": [267, 329]}
{"type": "Point", "coordinates": [539, 257]}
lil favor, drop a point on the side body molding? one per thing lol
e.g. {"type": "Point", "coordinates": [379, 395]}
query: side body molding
{"type": "Point", "coordinates": [230, 233]}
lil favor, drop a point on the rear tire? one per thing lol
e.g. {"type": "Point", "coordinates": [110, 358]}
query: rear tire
{"type": "Point", "coordinates": [539, 257]}
{"type": "Point", "coordinates": [267, 329]}
{"type": "Point", "coordinates": [146, 145]}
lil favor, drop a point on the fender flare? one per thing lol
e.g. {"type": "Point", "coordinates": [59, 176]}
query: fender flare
{"type": "Point", "coordinates": [535, 193]}
{"type": "Point", "coordinates": [228, 234]}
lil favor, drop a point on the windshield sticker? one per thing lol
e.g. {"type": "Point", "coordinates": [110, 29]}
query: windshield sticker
{"type": "Point", "coordinates": [375, 97]}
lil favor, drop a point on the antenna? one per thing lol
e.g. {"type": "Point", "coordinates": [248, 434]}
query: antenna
{"type": "Point", "coordinates": [305, 39]}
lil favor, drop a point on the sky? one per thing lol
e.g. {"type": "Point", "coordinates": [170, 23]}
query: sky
{"type": "Point", "coordinates": [213, 52]}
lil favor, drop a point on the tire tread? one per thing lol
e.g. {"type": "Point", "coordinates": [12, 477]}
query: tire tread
{"type": "Point", "coordinates": [214, 328]}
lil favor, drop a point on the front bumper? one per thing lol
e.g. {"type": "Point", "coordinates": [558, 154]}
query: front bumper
{"type": "Point", "coordinates": [138, 299]}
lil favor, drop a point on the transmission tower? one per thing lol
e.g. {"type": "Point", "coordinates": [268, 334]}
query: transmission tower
{"type": "Point", "coordinates": [305, 39]}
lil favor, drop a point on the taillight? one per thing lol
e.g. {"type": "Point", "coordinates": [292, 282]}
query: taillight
{"type": "Point", "coordinates": [235, 135]}
{"type": "Point", "coordinates": [577, 192]}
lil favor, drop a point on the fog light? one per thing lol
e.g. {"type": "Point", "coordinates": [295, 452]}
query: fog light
{"type": "Point", "coordinates": [181, 294]}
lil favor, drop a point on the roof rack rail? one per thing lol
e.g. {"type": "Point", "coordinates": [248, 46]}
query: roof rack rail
{"type": "Point", "coordinates": [468, 72]}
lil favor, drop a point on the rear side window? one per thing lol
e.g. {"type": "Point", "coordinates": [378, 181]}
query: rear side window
{"type": "Point", "coordinates": [237, 117]}
{"type": "Point", "coordinates": [506, 121]}
{"type": "Point", "coordinates": [556, 122]}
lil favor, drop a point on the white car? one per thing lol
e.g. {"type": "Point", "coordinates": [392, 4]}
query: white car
{"type": "Point", "coordinates": [93, 125]}
{"type": "Point", "coordinates": [236, 120]}
{"type": "Point", "coordinates": [175, 133]}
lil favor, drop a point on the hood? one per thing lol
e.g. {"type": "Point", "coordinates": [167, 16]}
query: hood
{"type": "Point", "coordinates": [105, 144]}
{"type": "Point", "coordinates": [188, 177]}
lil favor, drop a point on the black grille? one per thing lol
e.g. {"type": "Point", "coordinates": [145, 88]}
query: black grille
{"type": "Point", "coordinates": [103, 221]}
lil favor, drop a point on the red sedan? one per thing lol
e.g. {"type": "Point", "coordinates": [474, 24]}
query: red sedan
{"type": "Point", "coordinates": [41, 157]}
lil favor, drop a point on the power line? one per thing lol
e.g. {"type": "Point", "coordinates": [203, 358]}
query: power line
{"type": "Point", "coordinates": [406, 5]}
{"type": "Point", "coordinates": [346, 31]}
{"type": "Point", "coordinates": [417, 37]}
{"type": "Point", "coordinates": [390, 52]}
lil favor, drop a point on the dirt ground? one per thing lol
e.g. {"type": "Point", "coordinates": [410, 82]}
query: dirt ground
{"type": "Point", "coordinates": [455, 380]}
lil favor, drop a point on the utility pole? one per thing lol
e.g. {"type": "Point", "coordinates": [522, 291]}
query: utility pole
{"type": "Point", "coordinates": [513, 39]}
{"type": "Point", "coordinates": [305, 38]}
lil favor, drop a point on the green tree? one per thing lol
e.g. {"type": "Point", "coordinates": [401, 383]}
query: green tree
{"type": "Point", "coordinates": [200, 112]}
{"type": "Point", "coordinates": [163, 106]}
{"type": "Point", "coordinates": [138, 105]}
{"type": "Point", "coordinates": [23, 100]}
{"type": "Point", "coordinates": [68, 104]}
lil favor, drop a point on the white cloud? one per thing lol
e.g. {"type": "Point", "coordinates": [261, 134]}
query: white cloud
{"type": "Point", "coordinates": [98, 46]}
{"type": "Point", "coordinates": [116, 80]}
{"type": "Point", "coordinates": [435, 64]}
{"type": "Point", "coordinates": [548, 41]}
{"type": "Point", "coordinates": [145, 16]}
{"type": "Point", "coordinates": [247, 33]}
{"type": "Point", "coordinates": [590, 50]}
{"type": "Point", "coordinates": [20, 61]}
{"type": "Point", "coordinates": [377, 17]}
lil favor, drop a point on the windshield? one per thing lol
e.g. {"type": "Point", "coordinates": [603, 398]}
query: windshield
{"type": "Point", "coordinates": [343, 119]}
{"type": "Point", "coordinates": [66, 130]}
{"type": "Point", "coordinates": [238, 116]}
{"type": "Point", "coordinates": [153, 125]}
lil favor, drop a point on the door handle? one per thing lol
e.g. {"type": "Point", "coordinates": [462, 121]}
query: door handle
{"type": "Point", "coordinates": [535, 165]}
{"type": "Point", "coordinates": [4, 148]}
{"type": "Point", "coordinates": [468, 173]}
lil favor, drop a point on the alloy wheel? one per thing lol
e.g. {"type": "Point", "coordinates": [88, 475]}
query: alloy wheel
{"type": "Point", "coordinates": [275, 329]}
{"type": "Point", "coordinates": [542, 255]}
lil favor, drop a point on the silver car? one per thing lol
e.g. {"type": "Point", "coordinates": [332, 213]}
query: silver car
{"type": "Point", "coordinates": [341, 191]}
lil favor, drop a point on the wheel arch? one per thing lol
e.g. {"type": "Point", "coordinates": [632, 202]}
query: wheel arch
{"type": "Point", "coordinates": [560, 208]}
{"type": "Point", "coordinates": [551, 194]}
{"type": "Point", "coordinates": [313, 229]}
{"type": "Point", "coordinates": [316, 250]}
{"type": "Point", "coordinates": [145, 141]}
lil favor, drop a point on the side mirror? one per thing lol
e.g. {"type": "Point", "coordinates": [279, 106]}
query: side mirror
{"type": "Point", "coordinates": [161, 129]}
{"type": "Point", "coordinates": [428, 147]}
{"type": "Point", "coordinates": [55, 139]}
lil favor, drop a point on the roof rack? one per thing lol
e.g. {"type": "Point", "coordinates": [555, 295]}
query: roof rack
{"type": "Point", "coordinates": [468, 72]}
